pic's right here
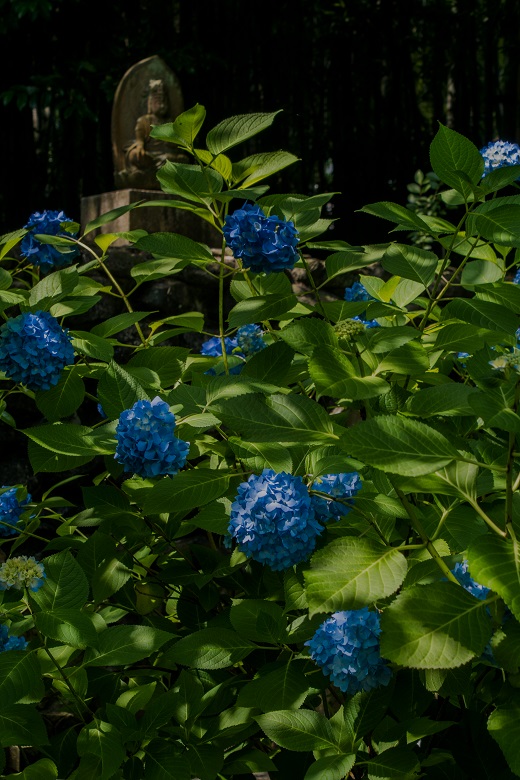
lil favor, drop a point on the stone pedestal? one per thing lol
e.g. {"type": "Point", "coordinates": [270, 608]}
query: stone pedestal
{"type": "Point", "coordinates": [153, 219]}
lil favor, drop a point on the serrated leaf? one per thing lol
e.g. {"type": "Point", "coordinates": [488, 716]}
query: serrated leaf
{"type": "Point", "coordinates": [71, 627]}
{"type": "Point", "coordinates": [20, 724]}
{"type": "Point", "coordinates": [410, 263]}
{"type": "Point", "coordinates": [186, 490]}
{"type": "Point", "coordinates": [504, 727]}
{"type": "Point", "coordinates": [260, 308]}
{"type": "Point", "coordinates": [456, 161]}
{"type": "Point", "coordinates": [399, 445]}
{"type": "Point", "coordinates": [211, 648]}
{"type": "Point", "coordinates": [65, 585]}
{"type": "Point", "coordinates": [393, 763]}
{"type": "Point", "coordinates": [331, 767]}
{"type": "Point", "coordinates": [300, 730]}
{"type": "Point", "coordinates": [122, 645]}
{"type": "Point", "coordinates": [62, 399]}
{"type": "Point", "coordinates": [437, 626]}
{"type": "Point", "coordinates": [351, 573]}
{"type": "Point", "coordinates": [396, 213]}
{"type": "Point", "coordinates": [20, 677]}
{"type": "Point", "coordinates": [495, 563]}
{"type": "Point", "coordinates": [236, 129]}
{"type": "Point", "coordinates": [285, 688]}
{"type": "Point", "coordinates": [118, 323]}
{"type": "Point", "coordinates": [118, 390]}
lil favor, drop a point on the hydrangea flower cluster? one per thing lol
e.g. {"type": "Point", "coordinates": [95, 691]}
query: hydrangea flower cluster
{"type": "Point", "coordinates": [498, 154]}
{"type": "Point", "coordinates": [47, 256]}
{"type": "Point", "coordinates": [10, 642]}
{"type": "Point", "coordinates": [344, 486]}
{"type": "Point", "coordinates": [461, 572]}
{"type": "Point", "coordinates": [516, 279]}
{"type": "Point", "coordinates": [357, 293]}
{"type": "Point", "coordinates": [346, 647]}
{"type": "Point", "coordinates": [213, 347]}
{"type": "Point", "coordinates": [10, 511]}
{"type": "Point", "coordinates": [264, 244]}
{"type": "Point", "coordinates": [146, 444]}
{"type": "Point", "coordinates": [249, 339]}
{"type": "Point", "coordinates": [34, 350]}
{"type": "Point", "coordinates": [22, 572]}
{"type": "Point", "coordinates": [273, 520]}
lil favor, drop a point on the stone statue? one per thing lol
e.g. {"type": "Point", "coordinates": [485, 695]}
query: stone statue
{"type": "Point", "coordinates": [149, 94]}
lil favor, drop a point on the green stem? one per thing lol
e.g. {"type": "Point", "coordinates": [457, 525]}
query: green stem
{"type": "Point", "coordinates": [221, 306]}
{"type": "Point", "coordinates": [312, 283]}
{"type": "Point", "coordinates": [420, 530]}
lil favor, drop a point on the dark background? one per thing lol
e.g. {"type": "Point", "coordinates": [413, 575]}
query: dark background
{"type": "Point", "coordinates": [362, 84]}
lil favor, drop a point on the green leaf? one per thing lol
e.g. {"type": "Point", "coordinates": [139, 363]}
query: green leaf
{"type": "Point", "coordinates": [189, 181]}
{"type": "Point", "coordinates": [186, 490]}
{"type": "Point", "coordinates": [410, 358]}
{"type": "Point", "coordinates": [65, 586]}
{"type": "Point", "coordinates": [345, 262]}
{"type": "Point", "coordinates": [20, 724]}
{"type": "Point", "coordinates": [361, 715]}
{"type": "Point", "coordinates": [504, 727]}
{"type": "Point", "coordinates": [437, 626]}
{"type": "Point", "coordinates": [103, 740]}
{"type": "Point", "coordinates": [449, 399]}
{"type": "Point", "coordinates": [280, 418]}
{"type": "Point", "coordinates": [205, 761]}
{"type": "Point", "coordinates": [118, 390]}
{"type": "Point", "coordinates": [62, 399]}
{"type": "Point", "coordinates": [503, 293]}
{"type": "Point", "coordinates": [495, 563]}
{"type": "Point", "coordinates": [92, 346]}
{"type": "Point", "coordinates": [464, 338]}
{"type": "Point", "coordinates": [260, 621]}
{"type": "Point", "coordinates": [399, 445]}
{"type": "Point", "coordinates": [211, 648]}
{"type": "Point", "coordinates": [285, 688]}
{"type": "Point", "coordinates": [53, 288]}
{"type": "Point", "coordinates": [262, 455]}
{"type": "Point", "coordinates": [260, 308]}
{"type": "Point", "coordinates": [185, 128]}
{"type": "Point", "coordinates": [157, 269]}
{"type": "Point", "coordinates": [118, 323]}
{"type": "Point", "coordinates": [335, 376]}
{"type": "Point", "coordinates": [66, 439]}
{"type": "Point", "coordinates": [236, 129]}
{"type": "Point", "coordinates": [351, 573]}
{"type": "Point", "coordinates": [501, 225]}
{"type": "Point", "coordinates": [20, 677]}
{"type": "Point", "coordinates": [331, 767]}
{"type": "Point", "coordinates": [164, 762]}
{"type": "Point", "coordinates": [175, 246]}
{"type": "Point", "coordinates": [272, 364]}
{"type": "Point", "coordinates": [44, 769]}
{"type": "Point", "coordinates": [45, 460]}
{"type": "Point", "coordinates": [396, 213]}
{"type": "Point", "coordinates": [110, 216]}
{"type": "Point", "coordinates": [499, 178]}
{"type": "Point", "coordinates": [307, 333]}
{"type": "Point", "coordinates": [483, 314]}
{"type": "Point", "coordinates": [243, 763]}
{"type": "Point", "coordinates": [253, 169]}
{"type": "Point", "coordinates": [167, 362]}
{"type": "Point", "coordinates": [456, 161]}
{"type": "Point", "coordinates": [393, 763]}
{"type": "Point", "coordinates": [300, 730]}
{"type": "Point", "coordinates": [122, 645]}
{"type": "Point", "coordinates": [68, 626]}
{"type": "Point", "coordinates": [480, 272]}
{"type": "Point", "coordinates": [410, 262]}
{"type": "Point", "coordinates": [104, 564]}
{"type": "Point", "coordinates": [494, 406]}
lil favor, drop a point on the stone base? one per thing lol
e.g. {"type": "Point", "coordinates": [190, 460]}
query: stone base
{"type": "Point", "coordinates": [153, 219]}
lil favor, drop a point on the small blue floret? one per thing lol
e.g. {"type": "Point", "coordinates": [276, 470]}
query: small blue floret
{"type": "Point", "coordinates": [34, 350]}
{"type": "Point", "coordinates": [8, 642]}
{"type": "Point", "coordinates": [346, 647]}
{"type": "Point", "coordinates": [273, 520]}
{"type": "Point", "coordinates": [344, 486]}
{"type": "Point", "coordinates": [249, 339]}
{"type": "Point", "coordinates": [357, 293]}
{"type": "Point", "coordinates": [264, 244]}
{"type": "Point", "coordinates": [499, 154]}
{"type": "Point", "coordinates": [461, 572]}
{"type": "Point", "coordinates": [213, 346]}
{"type": "Point", "coordinates": [10, 511]}
{"type": "Point", "coordinates": [146, 444]}
{"type": "Point", "coordinates": [47, 256]}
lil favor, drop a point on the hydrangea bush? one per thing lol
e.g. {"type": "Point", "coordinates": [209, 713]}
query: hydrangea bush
{"type": "Point", "coordinates": [291, 547]}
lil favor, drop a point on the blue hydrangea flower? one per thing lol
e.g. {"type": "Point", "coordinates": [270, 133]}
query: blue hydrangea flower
{"type": "Point", "coordinates": [357, 293]}
{"type": "Point", "coordinates": [34, 350]}
{"type": "Point", "coordinates": [498, 154]}
{"type": "Point", "coordinates": [46, 256]}
{"type": "Point", "coordinates": [22, 572]}
{"type": "Point", "coordinates": [264, 244]}
{"type": "Point", "coordinates": [346, 646]}
{"type": "Point", "coordinates": [367, 323]}
{"type": "Point", "coordinates": [249, 339]}
{"type": "Point", "coordinates": [10, 642]}
{"type": "Point", "coordinates": [461, 572]}
{"type": "Point", "coordinates": [101, 412]}
{"type": "Point", "coordinates": [516, 279]}
{"type": "Point", "coordinates": [146, 444]}
{"type": "Point", "coordinates": [273, 520]}
{"type": "Point", "coordinates": [10, 511]}
{"type": "Point", "coordinates": [337, 486]}
{"type": "Point", "coordinates": [213, 346]}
